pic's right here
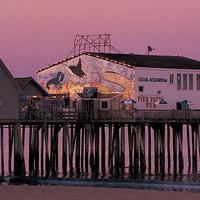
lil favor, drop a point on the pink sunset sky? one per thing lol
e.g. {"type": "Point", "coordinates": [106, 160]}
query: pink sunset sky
{"type": "Point", "coordinates": [36, 33]}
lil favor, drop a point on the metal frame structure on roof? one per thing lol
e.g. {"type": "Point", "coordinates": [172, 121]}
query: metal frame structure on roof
{"type": "Point", "coordinates": [99, 43]}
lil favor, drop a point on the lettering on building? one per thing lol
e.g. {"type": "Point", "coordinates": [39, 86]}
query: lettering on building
{"type": "Point", "coordinates": [152, 79]}
{"type": "Point", "coordinates": [150, 101]}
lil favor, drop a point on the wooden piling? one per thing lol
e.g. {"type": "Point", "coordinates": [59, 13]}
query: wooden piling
{"type": "Point", "coordinates": [149, 149]}
{"type": "Point", "coordinates": [188, 146]}
{"type": "Point", "coordinates": [136, 148]}
{"type": "Point", "coordinates": [122, 148]}
{"type": "Point", "coordinates": [103, 150]}
{"type": "Point", "coordinates": [116, 148]}
{"type": "Point", "coordinates": [30, 149]}
{"type": "Point", "coordinates": [77, 156]}
{"type": "Point", "coordinates": [23, 135]}
{"type": "Point", "coordinates": [130, 142]}
{"type": "Point", "coordinates": [92, 161]}
{"type": "Point", "coordinates": [175, 148]}
{"type": "Point", "coordinates": [87, 134]}
{"type": "Point", "coordinates": [47, 161]}
{"type": "Point", "coordinates": [11, 134]}
{"type": "Point", "coordinates": [82, 148]}
{"type": "Point", "coordinates": [180, 147]}
{"type": "Point", "coordinates": [2, 149]}
{"type": "Point", "coordinates": [19, 163]}
{"type": "Point", "coordinates": [168, 148]}
{"type": "Point", "coordinates": [195, 148]}
{"type": "Point", "coordinates": [156, 130]}
{"type": "Point", "coordinates": [161, 136]}
{"type": "Point", "coordinates": [42, 152]}
{"type": "Point", "coordinates": [64, 149]}
{"type": "Point", "coordinates": [142, 148]}
{"type": "Point", "coordinates": [110, 149]}
{"type": "Point", "coordinates": [96, 149]}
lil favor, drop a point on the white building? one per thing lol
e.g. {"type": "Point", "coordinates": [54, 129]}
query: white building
{"type": "Point", "coordinates": [153, 82]}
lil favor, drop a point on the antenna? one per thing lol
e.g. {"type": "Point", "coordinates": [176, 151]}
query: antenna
{"type": "Point", "coordinates": [95, 43]}
{"type": "Point", "coordinates": [149, 49]}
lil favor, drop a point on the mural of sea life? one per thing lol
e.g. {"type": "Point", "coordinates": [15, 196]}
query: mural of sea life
{"type": "Point", "coordinates": [126, 84]}
{"type": "Point", "coordinates": [56, 81]}
{"type": "Point", "coordinates": [76, 69]}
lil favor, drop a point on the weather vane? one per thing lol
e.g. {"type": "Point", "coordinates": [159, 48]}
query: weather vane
{"type": "Point", "coordinates": [149, 49]}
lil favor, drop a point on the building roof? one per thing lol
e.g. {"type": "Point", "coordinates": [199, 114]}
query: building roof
{"type": "Point", "coordinates": [100, 95]}
{"type": "Point", "coordinates": [137, 60]}
{"type": "Point", "coordinates": [3, 66]}
{"type": "Point", "coordinates": [152, 61]}
{"type": "Point", "coordinates": [23, 82]}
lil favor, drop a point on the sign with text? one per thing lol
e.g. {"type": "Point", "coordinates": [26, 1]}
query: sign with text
{"type": "Point", "coordinates": [149, 101]}
{"type": "Point", "coordinates": [152, 79]}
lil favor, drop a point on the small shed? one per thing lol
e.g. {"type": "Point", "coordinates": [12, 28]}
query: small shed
{"type": "Point", "coordinates": [30, 88]}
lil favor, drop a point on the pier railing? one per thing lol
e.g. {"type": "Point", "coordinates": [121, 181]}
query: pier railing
{"type": "Point", "coordinates": [71, 114]}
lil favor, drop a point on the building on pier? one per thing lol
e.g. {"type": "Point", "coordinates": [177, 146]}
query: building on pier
{"type": "Point", "coordinates": [18, 95]}
{"type": "Point", "coordinates": [9, 98]}
{"type": "Point", "coordinates": [148, 81]}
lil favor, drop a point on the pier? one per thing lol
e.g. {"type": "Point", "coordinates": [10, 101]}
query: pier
{"type": "Point", "coordinates": [103, 143]}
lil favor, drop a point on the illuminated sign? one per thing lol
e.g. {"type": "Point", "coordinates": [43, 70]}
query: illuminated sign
{"type": "Point", "coordinates": [152, 79]}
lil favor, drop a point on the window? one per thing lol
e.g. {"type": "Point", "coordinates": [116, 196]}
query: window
{"type": "Point", "coordinates": [171, 78]}
{"type": "Point", "coordinates": [178, 81]}
{"type": "Point", "coordinates": [198, 81]}
{"type": "Point", "coordinates": [141, 88]}
{"type": "Point", "coordinates": [190, 81]}
{"type": "Point", "coordinates": [184, 81]}
{"type": "Point", "coordinates": [104, 105]}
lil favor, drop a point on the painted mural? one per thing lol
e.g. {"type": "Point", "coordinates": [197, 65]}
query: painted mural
{"type": "Point", "coordinates": [74, 75]}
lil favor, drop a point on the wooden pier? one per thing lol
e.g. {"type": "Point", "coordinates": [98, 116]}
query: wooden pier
{"type": "Point", "coordinates": [106, 143]}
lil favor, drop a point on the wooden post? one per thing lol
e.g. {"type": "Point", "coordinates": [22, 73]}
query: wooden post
{"type": "Point", "coordinates": [193, 151]}
{"type": "Point", "coordinates": [116, 142]}
{"type": "Point", "coordinates": [188, 146]}
{"type": "Point", "coordinates": [42, 152]}
{"type": "Point", "coordinates": [11, 134]}
{"type": "Point", "coordinates": [87, 134]}
{"type": "Point", "coordinates": [136, 148]}
{"type": "Point", "coordinates": [77, 130]}
{"type": "Point", "coordinates": [156, 130]}
{"type": "Point", "coordinates": [82, 148]}
{"type": "Point", "coordinates": [142, 148]}
{"type": "Point", "coordinates": [110, 150]}
{"type": "Point", "coordinates": [92, 162]}
{"type": "Point", "coordinates": [180, 155]}
{"type": "Point", "coordinates": [161, 137]}
{"type": "Point", "coordinates": [175, 148]}
{"type": "Point", "coordinates": [46, 129]}
{"type": "Point", "coordinates": [122, 148]}
{"type": "Point", "coordinates": [70, 149]}
{"type": "Point", "coordinates": [149, 148]}
{"type": "Point", "coordinates": [198, 139]}
{"type": "Point", "coordinates": [103, 164]}
{"type": "Point", "coordinates": [37, 149]}
{"type": "Point", "coordinates": [130, 142]}
{"type": "Point", "coordinates": [19, 164]}
{"type": "Point", "coordinates": [23, 135]}
{"type": "Point", "coordinates": [168, 147]}
{"type": "Point", "coordinates": [2, 150]}
{"type": "Point", "coordinates": [96, 149]}
{"type": "Point", "coordinates": [64, 150]}
{"type": "Point", "coordinates": [30, 149]}
{"type": "Point", "coordinates": [195, 148]}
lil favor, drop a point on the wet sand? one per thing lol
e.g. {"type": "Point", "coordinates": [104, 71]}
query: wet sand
{"type": "Point", "coordinates": [26, 192]}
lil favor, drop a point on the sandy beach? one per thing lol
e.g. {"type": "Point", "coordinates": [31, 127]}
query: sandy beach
{"type": "Point", "coordinates": [26, 192]}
